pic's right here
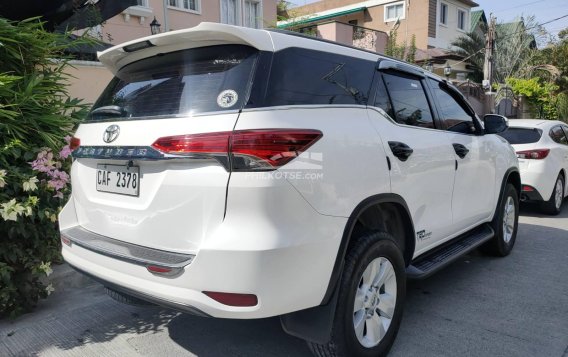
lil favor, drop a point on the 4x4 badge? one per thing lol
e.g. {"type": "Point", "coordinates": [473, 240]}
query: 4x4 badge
{"type": "Point", "coordinates": [111, 133]}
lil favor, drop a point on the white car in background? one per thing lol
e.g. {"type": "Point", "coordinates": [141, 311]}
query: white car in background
{"type": "Point", "coordinates": [542, 149]}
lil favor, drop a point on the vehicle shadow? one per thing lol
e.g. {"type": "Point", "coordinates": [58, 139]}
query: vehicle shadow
{"type": "Point", "coordinates": [226, 337]}
{"type": "Point", "coordinates": [533, 210]}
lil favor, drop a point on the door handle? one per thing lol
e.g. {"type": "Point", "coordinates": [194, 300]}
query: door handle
{"type": "Point", "coordinates": [460, 150]}
{"type": "Point", "coordinates": [400, 150]}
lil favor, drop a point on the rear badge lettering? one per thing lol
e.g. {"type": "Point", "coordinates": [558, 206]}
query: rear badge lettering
{"type": "Point", "coordinates": [227, 98]}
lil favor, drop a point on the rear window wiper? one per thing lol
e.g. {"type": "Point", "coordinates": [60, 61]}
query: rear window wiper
{"type": "Point", "coordinates": [109, 110]}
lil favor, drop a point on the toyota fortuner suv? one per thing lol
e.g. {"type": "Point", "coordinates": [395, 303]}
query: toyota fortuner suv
{"type": "Point", "coordinates": [240, 173]}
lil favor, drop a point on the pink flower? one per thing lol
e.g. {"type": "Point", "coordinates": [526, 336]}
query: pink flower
{"type": "Point", "coordinates": [59, 194]}
{"type": "Point", "coordinates": [65, 152]}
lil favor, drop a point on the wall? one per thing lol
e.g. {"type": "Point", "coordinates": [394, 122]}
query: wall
{"type": "Point", "coordinates": [87, 80]}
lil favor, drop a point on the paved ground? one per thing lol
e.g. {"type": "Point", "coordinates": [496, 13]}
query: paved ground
{"type": "Point", "coordinates": [480, 306]}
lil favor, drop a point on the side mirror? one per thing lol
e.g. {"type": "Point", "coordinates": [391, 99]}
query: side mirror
{"type": "Point", "coordinates": [495, 124]}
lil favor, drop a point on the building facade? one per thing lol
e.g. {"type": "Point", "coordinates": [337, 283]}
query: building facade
{"type": "Point", "coordinates": [134, 22]}
{"type": "Point", "coordinates": [434, 23]}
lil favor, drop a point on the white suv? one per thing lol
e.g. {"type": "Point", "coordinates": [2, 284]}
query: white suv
{"type": "Point", "coordinates": [240, 173]}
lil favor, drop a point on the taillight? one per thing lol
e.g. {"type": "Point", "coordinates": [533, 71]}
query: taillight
{"type": "Point", "coordinates": [537, 154]}
{"type": "Point", "coordinates": [74, 143]}
{"type": "Point", "coordinates": [269, 149]}
{"type": "Point", "coordinates": [527, 188]}
{"type": "Point", "coordinates": [250, 150]}
{"type": "Point", "coordinates": [210, 143]}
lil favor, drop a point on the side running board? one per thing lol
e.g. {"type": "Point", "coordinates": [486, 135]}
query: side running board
{"type": "Point", "coordinates": [429, 263]}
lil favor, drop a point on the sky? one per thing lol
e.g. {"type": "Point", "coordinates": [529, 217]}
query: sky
{"type": "Point", "coordinates": [508, 10]}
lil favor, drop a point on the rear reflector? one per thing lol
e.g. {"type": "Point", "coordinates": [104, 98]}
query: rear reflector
{"type": "Point", "coordinates": [66, 240]}
{"type": "Point", "coordinates": [158, 269]}
{"type": "Point", "coordinates": [74, 143]}
{"type": "Point", "coordinates": [537, 154]}
{"type": "Point", "coordinates": [250, 150]}
{"type": "Point", "coordinates": [528, 188]}
{"type": "Point", "coordinates": [232, 299]}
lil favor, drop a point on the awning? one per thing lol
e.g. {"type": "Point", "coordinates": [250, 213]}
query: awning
{"type": "Point", "coordinates": [305, 20]}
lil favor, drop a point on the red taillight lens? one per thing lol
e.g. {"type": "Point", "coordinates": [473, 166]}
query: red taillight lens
{"type": "Point", "coordinates": [74, 143]}
{"type": "Point", "coordinates": [269, 149]}
{"type": "Point", "coordinates": [266, 149]}
{"type": "Point", "coordinates": [538, 154]}
{"type": "Point", "coordinates": [210, 143]}
{"type": "Point", "coordinates": [232, 299]}
{"type": "Point", "coordinates": [527, 188]}
{"type": "Point", "coordinates": [158, 269]}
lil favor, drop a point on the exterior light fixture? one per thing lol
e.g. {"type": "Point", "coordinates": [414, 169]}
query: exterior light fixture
{"type": "Point", "coordinates": [155, 26]}
{"type": "Point", "coordinates": [447, 71]}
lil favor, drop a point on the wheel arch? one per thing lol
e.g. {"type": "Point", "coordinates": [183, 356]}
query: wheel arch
{"type": "Point", "coordinates": [513, 177]}
{"type": "Point", "coordinates": [315, 324]}
{"type": "Point", "coordinates": [389, 205]}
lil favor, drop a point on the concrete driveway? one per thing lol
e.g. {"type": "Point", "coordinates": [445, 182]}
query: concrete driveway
{"type": "Point", "coordinates": [479, 306]}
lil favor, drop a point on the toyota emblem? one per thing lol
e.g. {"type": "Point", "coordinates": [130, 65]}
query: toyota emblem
{"type": "Point", "coordinates": [111, 133]}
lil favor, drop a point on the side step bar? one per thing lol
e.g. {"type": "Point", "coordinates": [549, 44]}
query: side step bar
{"type": "Point", "coordinates": [429, 263]}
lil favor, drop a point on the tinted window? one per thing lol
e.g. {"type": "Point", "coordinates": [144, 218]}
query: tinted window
{"type": "Point", "coordinates": [455, 116]}
{"type": "Point", "coordinates": [557, 134]}
{"type": "Point", "coordinates": [521, 135]}
{"type": "Point", "coordinates": [185, 82]}
{"type": "Point", "coordinates": [382, 98]}
{"type": "Point", "coordinates": [300, 76]}
{"type": "Point", "coordinates": [408, 100]}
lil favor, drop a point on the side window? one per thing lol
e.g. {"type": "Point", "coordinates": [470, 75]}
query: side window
{"type": "Point", "coordinates": [302, 76]}
{"type": "Point", "coordinates": [565, 130]}
{"type": "Point", "coordinates": [382, 98]}
{"type": "Point", "coordinates": [455, 116]}
{"type": "Point", "coordinates": [409, 102]}
{"type": "Point", "coordinates": [558, 135]}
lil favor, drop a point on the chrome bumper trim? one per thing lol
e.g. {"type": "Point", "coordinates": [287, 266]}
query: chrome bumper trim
{"type": "Point", "coordinates": [129, 252]}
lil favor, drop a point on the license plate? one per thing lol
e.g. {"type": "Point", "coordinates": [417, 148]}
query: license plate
{"type": "Point", "coordinates": [118, 179]}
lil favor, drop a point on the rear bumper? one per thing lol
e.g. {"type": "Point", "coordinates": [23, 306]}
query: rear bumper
{"type": "Point", "coordinates": [279, 249]}
{"type": "Point", "coordinates": [541, 176]}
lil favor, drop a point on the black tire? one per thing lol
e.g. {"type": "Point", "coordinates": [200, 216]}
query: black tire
{"type": "Point", "coordinates": [499, 245]}
{"type": "Point", "coordinates": [551, 206]}
{"type": "Point", "coordinates": [126, 299]}
{"type": "Point", "coordinates": [344, 341]}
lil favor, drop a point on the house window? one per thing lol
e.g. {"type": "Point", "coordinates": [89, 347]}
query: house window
{"type": "Point", "coordinates": [229, 12]}
{"type": "Point", "coordinates": [142, 3]}
{"type": "Point", "coordinates": [191, 5]}
{"type": "Point", "coordinates": [394, 11]}
{"type": "Point", "coordinates": [443, 14]}
{"type": "Point", "coordinates": [251, 15]}
{"type": "Point", "coordinates": [461, 20]}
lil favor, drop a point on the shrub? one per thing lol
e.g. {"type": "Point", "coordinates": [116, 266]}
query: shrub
{"type": "Point", "coordinates": [36, 115]}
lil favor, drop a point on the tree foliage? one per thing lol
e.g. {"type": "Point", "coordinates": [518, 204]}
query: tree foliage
{"type": "Point", "coordinates": [36, 114]}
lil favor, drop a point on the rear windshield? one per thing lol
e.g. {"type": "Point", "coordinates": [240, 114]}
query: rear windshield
{"type": "Point", "coordinates": [204, 79]}
{"type": "Point", "coordinates": [521, 135]}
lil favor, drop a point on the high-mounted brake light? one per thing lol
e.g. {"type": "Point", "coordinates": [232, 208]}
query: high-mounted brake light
{"type": "Point", "coordinates": [537, 154]}
{"type": "Point", "coordinates": [250, 150]}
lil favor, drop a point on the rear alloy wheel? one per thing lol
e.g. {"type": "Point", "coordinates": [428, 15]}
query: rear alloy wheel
{"type": "Point", "coordinates": [554, 205]}
{"type": "Point", "coordinates": [505, 224]}
{"type": "Point", "coordinates": [371, 296]}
